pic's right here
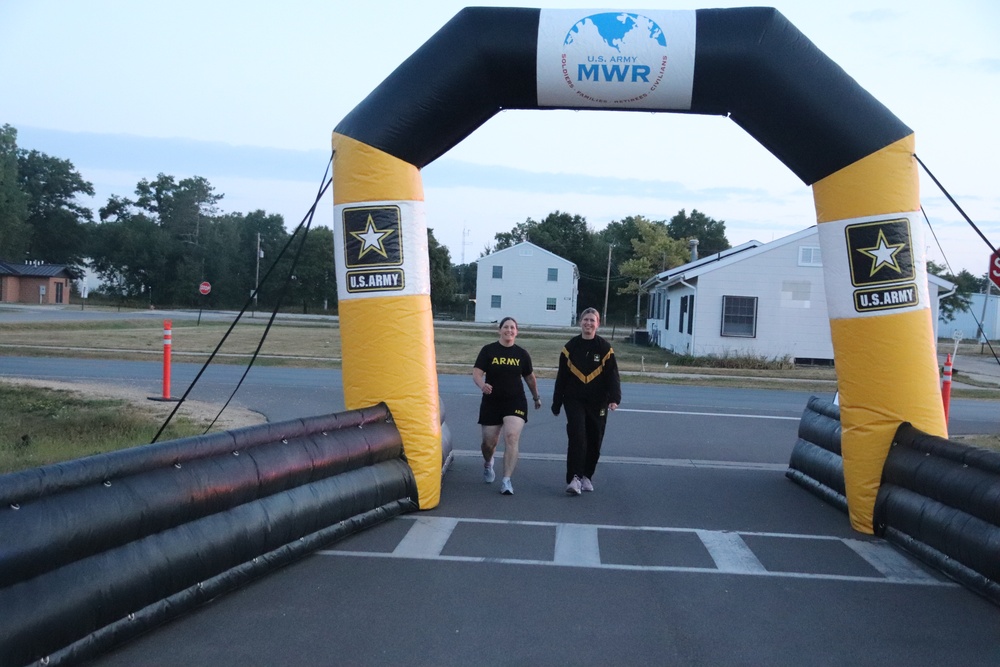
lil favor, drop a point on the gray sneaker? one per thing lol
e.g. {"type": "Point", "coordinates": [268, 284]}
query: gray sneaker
{"type": "Point", "coordinates": [506, 488]}
{"type": "Point", "coordinates": [573, 488]}
{"type": "Point", "coordinates": [586, 484]}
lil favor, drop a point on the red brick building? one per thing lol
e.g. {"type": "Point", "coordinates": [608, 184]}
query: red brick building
{"type": "Point", "coordinates": [34, 283]}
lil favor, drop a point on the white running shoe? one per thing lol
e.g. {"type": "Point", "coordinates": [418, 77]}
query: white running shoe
{"type": "Point", "coordinates": [488, 474]}
{"type": "Point", "coordinates": [586, 484]}
{"type": "Point", "coordinates": [573, 488]}
{"type": "Point", "coordinates": [506, 488]}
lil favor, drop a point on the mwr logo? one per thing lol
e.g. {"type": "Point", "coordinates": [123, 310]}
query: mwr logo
{"type": "Point", "coordinates": [372, 237]}
{"type": "Point", "coordinates": [880, 252]}
{"type": "Point", "coordinates": [391, 280]}
{"type": "Point", "coordinates": [614, 58]}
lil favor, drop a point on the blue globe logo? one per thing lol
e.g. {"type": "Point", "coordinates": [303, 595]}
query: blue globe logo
{"type": "Point", "coordinates": [614, 58]}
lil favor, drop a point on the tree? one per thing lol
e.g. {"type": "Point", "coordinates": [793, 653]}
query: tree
{"type": "Point", "coordinates": [444, 288]}
{"type": "Point", "coordinates": [654, 251]}
{"type": "Point", "coordinates": [504, 240]}
{"type": "Point", "coordinates": [313, 281]}
{"type": "Point", "coordinates": [57, 221]}
{"type": "Point", "coordinates": [711, 234]}
{"type": "Point", "coordinates": [15, 235]}
{"type": "Point", "coordinates": [965, 285]}
{"type": "Point", "coordinates": [126, 253]}
{"type": "Point", "coordinates": [231, 246]}
{"type": "Point", "coordinates": [178, 210]}
{"type": "Point", "coordinates": [465, 276]}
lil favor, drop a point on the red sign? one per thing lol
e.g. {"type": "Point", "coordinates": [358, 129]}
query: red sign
{"type": "Point", "coordinates": [995, 267]}
{"type": "Point", "coordinates": [205, 287]}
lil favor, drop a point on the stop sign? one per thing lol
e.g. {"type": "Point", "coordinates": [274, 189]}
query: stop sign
{"type": "Point", "coordinates": [205, 287]}
{"type": "Point", "coordinates": [995, 267]}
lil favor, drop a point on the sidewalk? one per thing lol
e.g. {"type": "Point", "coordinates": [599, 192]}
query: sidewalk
{"type": "Point", "coordinates": [980, 368]}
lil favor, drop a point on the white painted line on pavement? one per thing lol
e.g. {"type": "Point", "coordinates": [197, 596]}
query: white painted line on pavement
{"type": "Point", "coordinates": [730, 553]}
{"type": "Point", "coordinates": [426, 538]}
{"type": "Point", "coordinates": [642, 461]}
{"type": "Point", "coordinates": [709, 414]}
{"type": "Point", "coordinates": [888, 561]}
{"type": "Point", "coordinates": [576, 544]}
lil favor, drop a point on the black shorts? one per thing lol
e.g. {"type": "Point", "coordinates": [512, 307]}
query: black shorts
{"type": "Point", "coordinates": [492, 411]}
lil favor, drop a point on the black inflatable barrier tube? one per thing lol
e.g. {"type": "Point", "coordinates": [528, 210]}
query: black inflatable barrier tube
{"type": "Point", "coordinates": [22, 486]}
{"type": "Point", "coordinates": [751, 64]}
{"type": "Point", "coordinates": [940, 500]}
{"type": "Point", "coordinates": [965, 576]}
{"type": "Point", "coordinates": [164, 610]}
{"type": "Point", "coordinates": [101, 515]}
{"type": "Point", "coordinates": [816, 463]}
{"type": "Point", "coordinates": [186, 533]}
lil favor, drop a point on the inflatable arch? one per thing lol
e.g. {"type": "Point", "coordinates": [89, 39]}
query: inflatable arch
{"type": "Point", "coordinates": [749, 64]}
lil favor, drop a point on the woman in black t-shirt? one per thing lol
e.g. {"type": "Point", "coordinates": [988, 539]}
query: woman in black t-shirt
{"type": "Point", "coordinates": [498, 372]}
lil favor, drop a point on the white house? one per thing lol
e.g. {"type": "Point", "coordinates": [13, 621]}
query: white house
{"type": "Point", "coordinates": [528, 283]}
{"type": "Point", "coordinates": [761, 299]}
{"type": "Point", "coordinates": [981, 318]}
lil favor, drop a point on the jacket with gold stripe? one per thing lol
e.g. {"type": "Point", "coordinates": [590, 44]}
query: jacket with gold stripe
{"type": "Point", "coordinates": [588, 372]}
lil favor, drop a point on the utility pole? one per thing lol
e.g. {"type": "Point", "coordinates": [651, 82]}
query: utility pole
{"type": "Point", "coordinates": [256, 284]}
{"type": "Point", "coordinates": [607, 286]}
{"type": "Point", "coordinates": [638, 297]}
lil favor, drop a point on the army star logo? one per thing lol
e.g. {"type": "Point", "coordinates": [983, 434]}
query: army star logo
{"type": "Point", "coordinates": [884, 254]}
{"type": "Point", "coordinates": [371, 238]}
{"type": "Point", "coordinates": [880, 252]}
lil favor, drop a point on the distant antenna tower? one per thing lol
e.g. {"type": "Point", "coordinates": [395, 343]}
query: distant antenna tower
{"type": "Point", "coordinates": [465, 241]}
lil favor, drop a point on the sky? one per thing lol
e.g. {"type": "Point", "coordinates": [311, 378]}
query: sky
{"type": "Point", "coordinates": [246, 94]}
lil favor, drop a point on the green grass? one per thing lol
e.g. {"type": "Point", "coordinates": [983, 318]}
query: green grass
{"type": "Point", "coordinates": [982, 441]}
{"type": "Point", "coordinates": [43, 426]}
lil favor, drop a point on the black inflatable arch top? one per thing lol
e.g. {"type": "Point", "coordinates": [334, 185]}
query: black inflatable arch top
{"type": "Point", "coordinates": [751, 64]}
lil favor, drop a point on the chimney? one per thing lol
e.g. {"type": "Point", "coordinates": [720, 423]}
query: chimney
{"type": "Point", "coordinates": [693, 244]}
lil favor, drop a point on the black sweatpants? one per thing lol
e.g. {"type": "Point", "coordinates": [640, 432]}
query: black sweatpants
{"type": "Point", "coordinates": [585, 426]}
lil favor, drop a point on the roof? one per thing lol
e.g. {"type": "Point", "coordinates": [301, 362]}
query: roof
{"type": "Point", "coordinates": [526, 243]}
{"type": "Point", "coordinates": [32, 270]}
{"type": "Point", "coordinates": [747, 250]}
{"type": "Point", "coordinates": [701, 265]}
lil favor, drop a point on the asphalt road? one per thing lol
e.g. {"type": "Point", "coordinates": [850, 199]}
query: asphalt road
{"type": "Point", "coordinates": [694, 550]}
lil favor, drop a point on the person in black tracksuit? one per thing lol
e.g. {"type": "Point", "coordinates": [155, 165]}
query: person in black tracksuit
{"type": "Point", "coordinates": [587, 385]}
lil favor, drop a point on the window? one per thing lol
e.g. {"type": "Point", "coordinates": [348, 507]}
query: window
{"type": "Point", "coordinates": [498, 271]}
{"type": "Point", "coordinates": [495, 301]}
{"type": "Point", "coordinates": [553, 276]}
{"type": "Point", "coordinates": [666, 319]}
{"type": "Point", "coordinates": [739, 316]}
{"type": "Point", "coordinates": [809, 256]}
{"type": "Point", "coordinates": [684, 310]}
{"type": "Point", "coordinates": [550, 303]}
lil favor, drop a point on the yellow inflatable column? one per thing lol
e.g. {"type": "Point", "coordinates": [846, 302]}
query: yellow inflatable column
{"type": "Point", "coordinates": [883, 337]}
{"type": "Point", "coordinates": [383, 286]}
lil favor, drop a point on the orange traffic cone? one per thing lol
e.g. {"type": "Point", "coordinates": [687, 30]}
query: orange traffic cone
{"type": "Point", "coordinates": [946, 387]}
